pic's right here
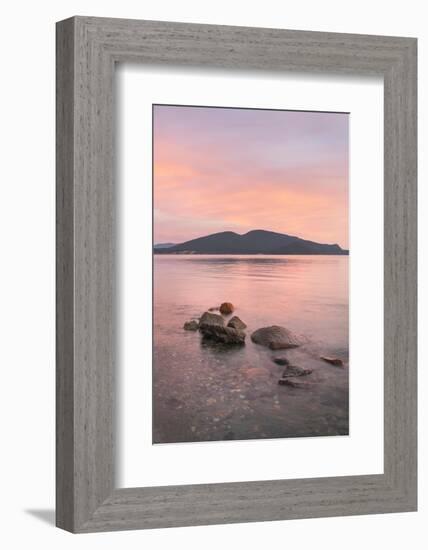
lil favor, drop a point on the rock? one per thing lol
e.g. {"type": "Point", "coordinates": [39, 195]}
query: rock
{"type": "Point", "coordinates": [292, 370]}
{"type": "Point", "coordinates": [333, 361]}
{"type": "Point", "coordinates": [256, 373]}
{"type": "Point", "coordinates": [213, 309]}
{"type": "Point", "coordinates": [222, 334]}
{"type": "Point", "coordinates": [292, 383]}
{"type": "Point", "coordinates": [191, 325]}
{"type": "Point", "coordinates": [226, 308]}
{"type": "Point", "coordinates": [275, 338]}
{"type": "Point", "coordinates": [281, 360]}
{"type": "Point", "coordinates": [174, 403]}
{"type": "Point", "coordinates": [210, 319]}
{"type": "Point", "coordinates": [237, 323]}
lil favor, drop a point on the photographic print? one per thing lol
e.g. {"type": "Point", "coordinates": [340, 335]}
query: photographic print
{"type": "Point", "coordinates": [250, 274]}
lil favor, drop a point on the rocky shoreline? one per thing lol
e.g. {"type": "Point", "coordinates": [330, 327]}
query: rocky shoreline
{"type": "Point", "coordinates": [214, 328]}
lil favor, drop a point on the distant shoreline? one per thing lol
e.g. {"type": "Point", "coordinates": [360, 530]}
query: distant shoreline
{"type": "Point", "coordinates": [257, 241]}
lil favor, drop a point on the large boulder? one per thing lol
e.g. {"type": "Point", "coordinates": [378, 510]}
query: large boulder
{"type": "Point", "coordinates": [275, 337]}
{"type": "Point", "coordinates": [210, 319]}
{"type": "Point", "coordinates": [227, 308]}
{"type": "Point", "coordinates": [222, 334]}
{"type": "Point", "coordinates": [237, 323]}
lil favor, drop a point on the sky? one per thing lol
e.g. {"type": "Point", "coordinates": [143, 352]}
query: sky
{"type": "Point", "coordinates": [219, 169]}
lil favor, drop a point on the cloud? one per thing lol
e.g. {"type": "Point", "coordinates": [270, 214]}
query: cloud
{"type": "Point", "coordinates": [227, 169]}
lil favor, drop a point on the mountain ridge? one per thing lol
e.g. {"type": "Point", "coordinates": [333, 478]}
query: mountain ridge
{"type": "Point", "coordinates": [255, 241]}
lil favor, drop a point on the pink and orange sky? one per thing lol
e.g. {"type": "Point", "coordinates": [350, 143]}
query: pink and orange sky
{"type": "Point", "coordinates": [219, 169]}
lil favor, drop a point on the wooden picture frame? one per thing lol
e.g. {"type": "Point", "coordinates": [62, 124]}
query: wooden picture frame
{"type": "Point", "coordinates": [87, 50]}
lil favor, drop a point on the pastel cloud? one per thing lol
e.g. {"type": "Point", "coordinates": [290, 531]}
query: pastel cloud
{"type": "Point", "coordinates": [218, 169]}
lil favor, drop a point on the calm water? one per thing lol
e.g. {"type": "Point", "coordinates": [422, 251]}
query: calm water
{"type": "Point", "coordinates": [205, 392]}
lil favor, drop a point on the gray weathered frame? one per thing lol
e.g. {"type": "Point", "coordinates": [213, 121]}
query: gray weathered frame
{"type": "Point", "coordinates": [87, 50]}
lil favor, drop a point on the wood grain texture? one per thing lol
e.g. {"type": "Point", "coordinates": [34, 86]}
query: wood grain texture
{"type": "Point", "coordinates": [64, 276]}
{"type": "Point", "coordinates": [87, 50]}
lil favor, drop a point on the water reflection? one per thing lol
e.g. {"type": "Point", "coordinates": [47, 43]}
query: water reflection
{"type": "Point", "coordinates": [225, 260]}
{"type": "Point", "coordinates": [225, 391]}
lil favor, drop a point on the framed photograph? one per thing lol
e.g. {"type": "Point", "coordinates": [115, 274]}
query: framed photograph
{"type": "Point", "coordinates": [236, 274]}
{"type": "Point", "coordinates": [229, 171]}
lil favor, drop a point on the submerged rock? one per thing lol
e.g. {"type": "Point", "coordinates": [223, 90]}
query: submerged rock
{"type": "Point", "coordinates": [237, 323]}
{"type": "Point", "coordinates": [213, 309]}
{"type": "Point", "coordinates": [255, 373]}
{"type": "Point", "coordinates": [174, 403]}
{"type": "Point", "coordinates": [333, 361]}
{"type": "Point", "coordinates": [226, 308]}
{"type": "Point", "coordinates": [292, 383]}
{"type": "Point", "coordinates": [281, 361]}
{"type": "Point", "coordinates": [191, 325]}
{"type": "Point", "coordinates": [292, 371]}
{"type": "Point", "coordinates": [275, 337]}
{"type": "Point", "coordinates": [210, 319]}
{"type": "Point", "coordinates": [223, 335]}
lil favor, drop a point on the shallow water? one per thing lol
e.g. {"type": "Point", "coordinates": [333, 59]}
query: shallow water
{"type": "Point", "coordinates": [205, 392]}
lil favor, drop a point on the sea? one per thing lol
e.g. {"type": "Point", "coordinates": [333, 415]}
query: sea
{"type": "Point", "coordinates": [203, 391]}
